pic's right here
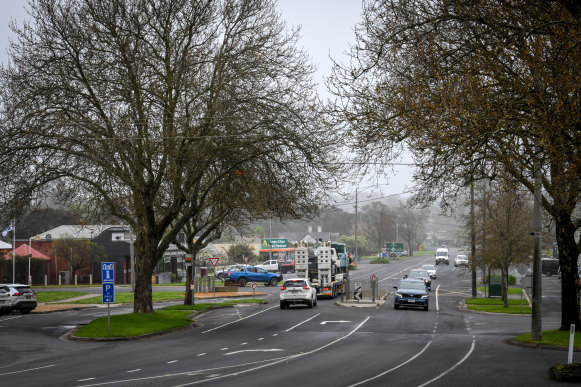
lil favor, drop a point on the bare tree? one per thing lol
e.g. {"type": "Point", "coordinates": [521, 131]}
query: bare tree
{"type": "Point", "coordinates": [473, 88]}
{"type": "Point", "coordinates": [150, 111]}
{"type": "Point", "coordinates": [410, 223]}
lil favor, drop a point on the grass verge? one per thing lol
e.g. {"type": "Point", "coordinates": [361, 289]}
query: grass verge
{"type": "Point", "coordinates": [495, 305]}
{"type": "Point", "coordinates": [127, 298]}
{"type": "Point", "coordinates": [552, 337]}
{"type": "Point", "coordinates": [53, 295]}
{"type": "Point", "coordinates": [511, 290]}
{"type": "Point", "coordinates": [138, 324]}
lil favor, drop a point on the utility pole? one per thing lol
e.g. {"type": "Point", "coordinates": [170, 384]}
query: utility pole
{"type": "Point", "coordinates": [356, 255]}
{"type": "Point", "coordinates": [537, 324]}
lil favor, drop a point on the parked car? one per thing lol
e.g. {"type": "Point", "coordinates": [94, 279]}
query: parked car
{"type": "Point", "coordinates": [270, 265]}
{"type": "Point", "coordinates": [421, 274]}
{"type": "Point", "coordinates": [412, 292]}
{"type": "Point", "coordinates": [461, 260]}
{"type": "Point", "coordinates": [431, 269]}
{"type": "Point", "coordinates": [252, 274]}
{"type": "Point", "coordinates": [287, 266]}
{"type": "Point", "coordinates": [219, 274]}
{"type": "Point", "coordinates": [297, 291]}
{"type": "Point", "coordinates": [5, 307]}
{"type": "Point", "coordinates": [22, 297]}
{"type": "Point", "coordinates": [549, 266]}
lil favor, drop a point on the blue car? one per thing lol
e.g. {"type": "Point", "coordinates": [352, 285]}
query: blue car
{"type": "Point", "coordinates": [412, 292]}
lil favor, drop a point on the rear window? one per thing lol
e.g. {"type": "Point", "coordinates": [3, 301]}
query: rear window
{"type": "Point", "coordinates": [24, 289]}
{"type": "Point", "coordinates": [4, 289]}
{"type": "Point", "coordinates": [294, 284]}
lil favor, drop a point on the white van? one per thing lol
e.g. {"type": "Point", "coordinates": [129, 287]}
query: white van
{"type": "Point", "coordinates": [442, 256]}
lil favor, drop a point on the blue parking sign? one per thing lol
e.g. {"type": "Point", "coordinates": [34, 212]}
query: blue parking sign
{"type": "Point", "coordinates": [107, 272]}
{"type": "Point", "coordinates": [108, 293]}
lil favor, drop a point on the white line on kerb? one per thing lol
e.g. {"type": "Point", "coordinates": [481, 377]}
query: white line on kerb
{"type": "Point", "coordinates": [310, 318]}
{"type": "Point", "coordinates": [437, 305]}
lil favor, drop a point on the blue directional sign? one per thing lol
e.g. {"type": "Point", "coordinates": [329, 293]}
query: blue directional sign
{"type": "Point", "coordinates": [108, 293]}
{"type": "Point", "coordinates": [107, 272]}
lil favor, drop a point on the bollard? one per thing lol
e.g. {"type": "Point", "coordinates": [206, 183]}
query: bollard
{"type": "Point", "coordinates": [571, 342]}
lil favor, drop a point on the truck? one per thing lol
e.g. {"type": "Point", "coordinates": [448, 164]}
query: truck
{"type": "Point", "coordinates": [324, 269]}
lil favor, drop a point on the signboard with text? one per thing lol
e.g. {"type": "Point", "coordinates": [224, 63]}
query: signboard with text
{"type": "Point", "coordinates": [394, 247]}
{"type": "Point", "coordinates": [108, 293]}
{"type": "Point", "coordinates": [274, 243]}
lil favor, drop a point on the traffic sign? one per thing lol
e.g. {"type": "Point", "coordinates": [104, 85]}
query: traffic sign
{"type": "Point", "coordinates": [281, 257]}
{"type": "Point", "coordinates": [214, 261]}
{"type": "Point", "coordinates": [246, 260]}
{"type": "Point", "coordinates": [253, 285]}
{"type": "Point", "coordinates": [358, 294]}
{"type": "Point", "coordinates": [372, 277]}
{"type": "Point", "coordinates": [394, 247]}
{"type": "Point", "coordinates": [108, 293]}
{"type": "Point", "coordinates": [107, 272]}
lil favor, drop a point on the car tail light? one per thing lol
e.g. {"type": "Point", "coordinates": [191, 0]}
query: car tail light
{"type": "Point", "coordinates": [18, 294]}
{"type": "Point", "coordinates": [326, 288]}
{"type": "Point", "coordinates": [283, 288]}
{"type": "Point", "coordinates": [306, 287]}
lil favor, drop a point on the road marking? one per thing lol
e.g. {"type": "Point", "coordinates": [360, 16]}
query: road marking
{"type": "Point", "coordinates": [394, 368]}
{"type": "Point", "coordinates": [224, 349]}
{"type": "Point", "coordinates": [27, 370]}
{"type": "Point", "coordinates": [454, 366]}
{"type": "Point", "coordinates": [310, 318]}
{"type": "Point", "coordinates": [240, 319]}
{"type": "Point", "coordinates": [338, 321]}
{"type": "Point", "coordinates": [135, 370]}
{"type": "Point", "coordinates": [260, 338]}
{"type": "Point", "coordinates": [437, 304]}
{"type": "Point", "coordinates": [254, 350]}
{"type": "Point", "coordinates": [171, 361]}
{"type": "Point", "coordinates": [243, 343]}
{"type": "Point", "coordinates": [85, 380]}
{"type": "Point", "coordinates": [201, 354]}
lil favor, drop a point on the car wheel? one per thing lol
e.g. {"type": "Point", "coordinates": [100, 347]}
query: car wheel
{"type": "Point", "coordinates": [395, 306]}
{"type": "Point", "coordinates": [220, 277]}
{"type": "Point", "coordinates": [548, 274]}
{"type": "Point", "coordinates": [426, 307]}
{"type": "Point", "coordinates": [273, 282]}
{"type": "Point", "coordinates": [310, 303]}
{"type": "Point", "coordinates": [25, 311]}
{"type": "Point", "coordinates": [315, 301]}
{"type": "Point", "coordinates": [282, 304]}
{"type": "Point", "coordinates": [242, 282]}
{"type": "Point", "coordinates": [5, 312]}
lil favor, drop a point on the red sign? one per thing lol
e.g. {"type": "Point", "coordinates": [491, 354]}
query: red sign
{"type": "Point", "coordinates": [214, 261]}
{"type": "Point", "coordinates": [245, 259]}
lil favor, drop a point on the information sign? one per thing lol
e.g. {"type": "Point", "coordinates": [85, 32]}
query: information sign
{"type": "Point", "coordinates": [394, 247]}
{"type": "Point", "coordinates": [274, 243]}
{"type": "Point", "coordinates": [107, 272]}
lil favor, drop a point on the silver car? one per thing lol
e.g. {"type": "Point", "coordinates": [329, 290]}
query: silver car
{"type": "Point", "coordinates": [22, 297]}
{"type": "Point", "coordinates": [431, 269]}
{"type": "Point", "coordinates": [297, 291]}
{"type": "Point", "coordinates": [461, 260]}
{"type": "Point", "coordinates": [5, 307]}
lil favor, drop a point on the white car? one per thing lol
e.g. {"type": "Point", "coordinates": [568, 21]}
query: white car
{"type": "Point", "coordinates": [297, 291]}
{"type": "Point", "coordinates": [270, 265]}
{"type": "Point", "coordinates": [461, 260]}
{"type": "Point", "coordinates": [431, 269]}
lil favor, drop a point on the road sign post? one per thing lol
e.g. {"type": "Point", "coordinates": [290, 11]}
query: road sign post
{"type": "Point", "coordinates": [214, 262]}
{"type": "Point", "coordinates": [253, 286]}
{"type": "Point", "coordinates": [108, 282]}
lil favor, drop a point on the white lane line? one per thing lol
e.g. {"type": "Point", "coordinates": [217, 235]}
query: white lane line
{"type": "Point", "coordinates": [394, 368]}
{"type": "Point", "coordinates": [286, 358]}
{"type": "Point", "coordinates": [171, 361]}
{"type": "Point", "coordinates": [254, 350]}
{"type": "Point", "coordinates": [224, 349]}
{"type": "Point", "coordinates": [201, 354]}
{"type": "Point", "coordinates": [85, 380]}
{"type": "Point", "coordinates": [27, 370]}
{"type": "Point", "coordinates": [310, 318]}
{"type": "Point", "coordinates": [260, 338]}
{"type": "Point", "coordinates": [240, 319]}
{"type": "Point", "coordinates": [135, 370]}
{"type": "Point", "coordinates": [437, 304]}
{"type": "Point", "coordinates": [243, 343]}
{"type": "Point", "coordinates": [454, 366]}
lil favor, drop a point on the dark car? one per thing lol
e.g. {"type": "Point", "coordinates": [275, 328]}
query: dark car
{"type": "Point", "coordinates": [412, 292]}
{"type": "Point", "coordinates": [549, 266]}
{"type": "Point", "coordinates": [421, 274]}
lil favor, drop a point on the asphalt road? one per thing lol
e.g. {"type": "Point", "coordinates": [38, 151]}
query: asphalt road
{"type": "Point", "coordinates": [328, 345]}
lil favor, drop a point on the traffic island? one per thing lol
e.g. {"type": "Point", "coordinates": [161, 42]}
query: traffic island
{"type": "Point", "coordinates": [566, 372]}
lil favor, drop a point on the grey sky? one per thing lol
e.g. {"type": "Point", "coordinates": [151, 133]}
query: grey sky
{"type": "Point", "coordinates": [326, 30]}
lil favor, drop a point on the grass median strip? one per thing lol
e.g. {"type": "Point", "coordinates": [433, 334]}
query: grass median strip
{"type": "Point", "coordinates": [552, 337]}
{"type": "Point", "coordinates": [495, 305]}
{"type": "Point", "coordinates": [53, 296]}
{"type": "Point", "coordinates": [138, 324]}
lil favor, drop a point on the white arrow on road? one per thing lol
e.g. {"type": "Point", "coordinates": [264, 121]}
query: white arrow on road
{"type": "Point", "coordinates": [338, 321]}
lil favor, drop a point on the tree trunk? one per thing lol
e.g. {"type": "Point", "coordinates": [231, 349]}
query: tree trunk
{"type": "Point", "coordinates": [568, 253]}
{"type": "Point", "coordinates": [146, 258]}
{"type": "Point", "coordinates": [504, 272]}
{"type": "Point", "coordinates": [188, 298]}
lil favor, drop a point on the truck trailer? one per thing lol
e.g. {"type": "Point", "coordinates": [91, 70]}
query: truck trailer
{"type": "Point", "coordinates": [323, 269]}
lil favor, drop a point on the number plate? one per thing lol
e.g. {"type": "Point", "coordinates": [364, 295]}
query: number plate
{"type": "Point", "coordinates": [411, 300]}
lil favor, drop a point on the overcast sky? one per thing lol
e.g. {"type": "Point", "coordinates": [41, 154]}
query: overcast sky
{"type": "Point", "coordinates": [326, 30]}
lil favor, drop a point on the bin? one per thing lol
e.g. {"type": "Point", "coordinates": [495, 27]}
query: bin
{"type": "Point", "coordinates": [203, 271]}
{"type": "Point", "coordinates": [494, 290]}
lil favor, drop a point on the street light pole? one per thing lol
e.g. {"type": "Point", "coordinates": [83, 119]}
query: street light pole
{"type": "Point", "coordinates": [356, 256]}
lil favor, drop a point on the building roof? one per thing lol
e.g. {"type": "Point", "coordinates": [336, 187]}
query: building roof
{"type": "Point", "coordinates": [24, 250]}
{"type": "Point", "coordinates": [87, 231]}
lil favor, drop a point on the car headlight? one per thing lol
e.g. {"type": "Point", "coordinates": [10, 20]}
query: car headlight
{"type": "Point", "coordinates": [398, 295]}
{"type": "Point", "coordinates": [424, 297]}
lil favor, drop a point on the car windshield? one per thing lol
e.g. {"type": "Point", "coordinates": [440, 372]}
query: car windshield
{"type": "Point", "coordinates": [428, 267]}
{"type": "Point", "coordinates": [462, 257]}
{"type": "Point", "coordinates": [416, 285]}
{"type": "Point", "coordinates": [418, 273]}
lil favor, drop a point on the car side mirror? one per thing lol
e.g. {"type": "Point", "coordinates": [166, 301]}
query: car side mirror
{"type": "Point", "coordinates": [394, 286]}
{"type": "Point", "coordinates": [429, 288]}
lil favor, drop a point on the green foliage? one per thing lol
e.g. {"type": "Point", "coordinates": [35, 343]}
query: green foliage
{"type": "Point", "coordinates": [496, 279]}
{"type": "Point", "coordinates": [380, 260]}
{"type": "Point", "coordinates": [512, 309]}
{"type": "Point", "coordinates": [349, 241]}
{"type": "Point", "coordinates": [494, 301]}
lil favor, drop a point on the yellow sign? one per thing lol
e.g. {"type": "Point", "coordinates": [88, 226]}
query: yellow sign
{"type": "Point", "coordinates": [421, 248]}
